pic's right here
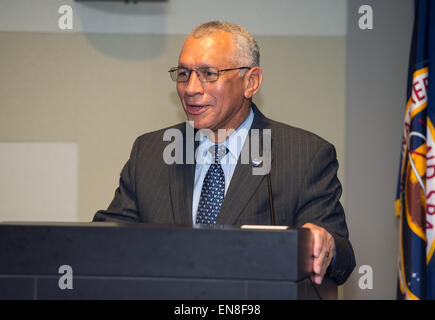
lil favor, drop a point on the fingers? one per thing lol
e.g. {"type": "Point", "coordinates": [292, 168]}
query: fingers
{"type": "Point", "coordinates": [320, 264]}
{"type": "Point", "coordinates": [323, 251]}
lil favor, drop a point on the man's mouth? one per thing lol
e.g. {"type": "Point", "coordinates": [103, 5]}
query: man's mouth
{"type": "Point", "coordinates": [195, 108]}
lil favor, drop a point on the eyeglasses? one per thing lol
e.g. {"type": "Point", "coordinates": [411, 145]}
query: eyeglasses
{"type": "Point", "coordinates": [205, 74]}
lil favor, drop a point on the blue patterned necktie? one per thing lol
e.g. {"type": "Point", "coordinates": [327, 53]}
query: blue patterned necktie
{"type": "Point", "coordinates": [213, 188]}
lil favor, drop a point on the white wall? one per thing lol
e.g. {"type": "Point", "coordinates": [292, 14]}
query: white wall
{"type": "Point", "coordinates": [260, 17]}
{"type": "Point", "coordinates": [38, 182]}
{"type": "Point", "coordinates": [377, 68]}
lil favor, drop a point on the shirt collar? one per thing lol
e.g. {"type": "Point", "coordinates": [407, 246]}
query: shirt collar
{"type": "Point", "coordinates": [234, 142]}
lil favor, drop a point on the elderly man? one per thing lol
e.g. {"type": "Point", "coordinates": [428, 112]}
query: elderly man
{"type": "Point", "coordinates": [217, 75]}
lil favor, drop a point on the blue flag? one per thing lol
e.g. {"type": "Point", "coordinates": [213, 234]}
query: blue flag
{"type": "Point", "coordinates": [415, 198]}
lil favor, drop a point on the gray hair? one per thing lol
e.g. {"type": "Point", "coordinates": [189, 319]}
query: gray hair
{"type": "Point", "coordinates": [247, 52]}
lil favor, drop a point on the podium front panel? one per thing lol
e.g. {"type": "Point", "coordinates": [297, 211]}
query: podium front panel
{"type": "Point", "coordinates": [140, 261]}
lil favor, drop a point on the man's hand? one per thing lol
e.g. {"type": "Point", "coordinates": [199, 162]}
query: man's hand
{"type": "Point", "coordinates": [323, 251]}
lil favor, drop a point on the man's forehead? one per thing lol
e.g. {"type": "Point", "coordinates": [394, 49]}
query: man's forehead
{"type": "Point", "coordinates": [211, 38]}
{"type": "Point", "coordinates": [207, 50]}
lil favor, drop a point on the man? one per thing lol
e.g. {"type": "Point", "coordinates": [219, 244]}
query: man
{"type": "Point", "coordinates": [218, 73]}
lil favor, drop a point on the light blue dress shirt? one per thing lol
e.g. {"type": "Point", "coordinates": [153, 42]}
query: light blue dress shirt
{"type": "Point", "coordinates": [234, 144]}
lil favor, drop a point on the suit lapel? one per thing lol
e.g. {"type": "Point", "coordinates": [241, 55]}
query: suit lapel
{"type": "Point", "coordinates": [244, 183]}
{"type": "Point", "coordinates": [181, 178]}
{"type": "Point", "coordinates": [181, 186]}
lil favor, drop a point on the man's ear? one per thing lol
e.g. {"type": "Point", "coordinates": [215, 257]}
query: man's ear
{"type": "Point", "coordinates": [252, 81]}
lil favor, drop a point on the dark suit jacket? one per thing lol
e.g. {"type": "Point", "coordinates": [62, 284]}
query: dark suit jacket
{"type": "Point", "coordinates": [304, 183]}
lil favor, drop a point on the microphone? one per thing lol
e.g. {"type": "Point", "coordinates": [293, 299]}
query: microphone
{"type": "Point", "coordinates": [267, 163]}
{"type": "Point", "coordinates": [271, 209]}
{"type": "Point", "coordinates": [269, 187]}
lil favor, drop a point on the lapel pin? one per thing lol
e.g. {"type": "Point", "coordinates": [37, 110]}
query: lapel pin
{"type": "Point", "coordinates": [256, 162]}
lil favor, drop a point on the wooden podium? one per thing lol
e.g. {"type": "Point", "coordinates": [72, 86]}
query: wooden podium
{"type": "Point", "coordinates": [140, 261]}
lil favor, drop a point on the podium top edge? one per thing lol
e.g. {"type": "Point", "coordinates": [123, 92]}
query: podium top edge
{"type": "Point", "coordinates": [140, 225]}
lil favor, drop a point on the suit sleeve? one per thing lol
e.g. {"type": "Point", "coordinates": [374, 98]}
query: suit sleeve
{"type": "Point", "coordinates": [123, 207]}
{"type": "Point", "coordinates": [319, 204]}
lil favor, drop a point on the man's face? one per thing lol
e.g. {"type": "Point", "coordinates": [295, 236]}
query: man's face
{"type": "Point", "coordinates": [213, 105]}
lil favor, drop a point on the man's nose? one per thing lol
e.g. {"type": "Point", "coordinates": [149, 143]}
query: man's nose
{"type": "Point", "coordinates": [194, 86]}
